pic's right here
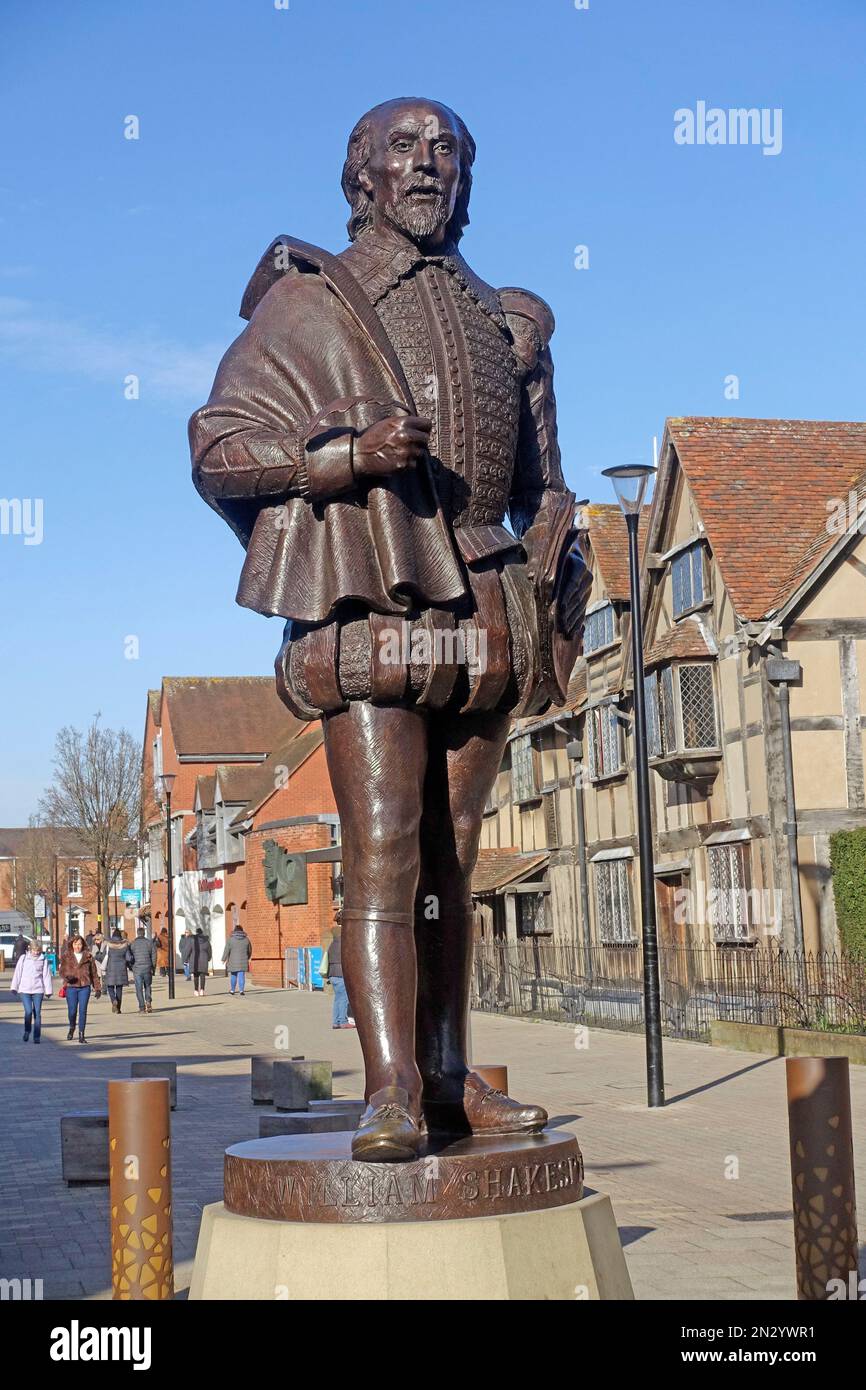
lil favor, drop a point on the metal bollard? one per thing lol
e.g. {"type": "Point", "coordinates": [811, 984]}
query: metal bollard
{"type": "Point", "coordinates": [494, 1073]}
{"type": "Point", "coordinates": [139, 1152]}
{"type": "Point", "coordinates": [822, 1174]}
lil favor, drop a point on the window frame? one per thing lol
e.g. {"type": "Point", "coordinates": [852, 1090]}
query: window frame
{"type": "Point", "coordinates": [664, 704]}
{"type": "Point", "coordinates": [696, 549]}
{"type": "Point", "coordinates": [604, 870]}
{"type": "Point", "coordinates": [73, 870]}
{"type": "Point", "coordinates": [599, 740]}
{"type": "Point", "coordinates": [524, 778]}
{"type": "Point", "coordinates": [731, 933]}
{"type": "Point", "coordinates": [602, 608]}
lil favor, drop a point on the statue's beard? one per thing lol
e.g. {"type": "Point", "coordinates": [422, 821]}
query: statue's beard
{"type": "Point", "coordinates": [421, 220]}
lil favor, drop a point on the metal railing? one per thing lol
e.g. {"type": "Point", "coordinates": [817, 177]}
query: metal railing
{"type": "Point", "coordinates": [602, 986]}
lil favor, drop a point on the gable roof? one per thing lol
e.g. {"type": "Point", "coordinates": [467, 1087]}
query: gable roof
{"type": "Point", "coordinates": [685, 639]}
{"type": "Point", "coordinates": [496, 868]}
{"type": "Point", "coordinates": [263, 779]}
{"type": "Point", "coordinates": [13, 842]}
{"type": "Point", "coordinates": [224, 716]}
{"type": "Point", "coordinates": [762, 488]}
{"type": "Point", "coordinates": [608, 537]}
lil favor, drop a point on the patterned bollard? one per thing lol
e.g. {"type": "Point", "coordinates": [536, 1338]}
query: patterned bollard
{"type": "Point", "coordinates": [822, 1175]}
{"type": "Point", "coordinates": [139, 1146]}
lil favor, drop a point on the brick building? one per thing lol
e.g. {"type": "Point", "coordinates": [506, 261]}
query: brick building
{"type": "Point", "coordinates": [246, 771]}
{"type": "Point", "coordinates": [67, 875]}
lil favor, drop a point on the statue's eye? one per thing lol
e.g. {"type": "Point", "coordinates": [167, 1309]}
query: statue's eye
{"type": "Point", "coordinates": [443, 147]}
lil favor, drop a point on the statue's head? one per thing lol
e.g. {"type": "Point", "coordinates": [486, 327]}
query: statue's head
{"type": "Point", "coordinates": [409, 164]}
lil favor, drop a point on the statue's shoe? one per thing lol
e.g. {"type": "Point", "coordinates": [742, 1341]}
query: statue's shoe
{"type": "Point", "coordinates": [483, 1110]}
{"type": "Point", "coordinates": [388, 1132]}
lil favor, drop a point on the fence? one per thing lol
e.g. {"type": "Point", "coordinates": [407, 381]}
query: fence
{"type": "Point", "coordinates": [602, 986]}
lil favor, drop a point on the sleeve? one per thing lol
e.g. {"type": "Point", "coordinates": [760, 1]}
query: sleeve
{"type": "Point", "coordinates": [46, 979]}
{"type": "Point", "coordinates": [16, 976]}
{"type": "Point", "coordinates": [257, 438]}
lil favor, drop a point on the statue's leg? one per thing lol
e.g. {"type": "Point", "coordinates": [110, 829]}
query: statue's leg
{"type": "Point", "coordinates": [377, 759]}
{"type": "Point", "coordinates": [464, 756]}
{"type": "Point", "coordinates": [465, 752]}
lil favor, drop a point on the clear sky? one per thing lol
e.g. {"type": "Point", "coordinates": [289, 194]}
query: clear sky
{"type": "Point", "coordinates": [122, 257]}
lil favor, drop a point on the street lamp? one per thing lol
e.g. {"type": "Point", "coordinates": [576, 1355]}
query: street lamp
{"type": "Point", "coordinates": [167, 782]}
{"type": "Point", "coordinates": [630, 481]}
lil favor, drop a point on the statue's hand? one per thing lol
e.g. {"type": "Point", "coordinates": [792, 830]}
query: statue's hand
{"type": "Point", "coordinates": [390, 446]}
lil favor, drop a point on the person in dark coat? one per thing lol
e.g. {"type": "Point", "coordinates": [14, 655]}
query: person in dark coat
{"type": "Point", "coordinates": [141, 959]}
{"type": "Point", "coordinates": [20, 948]}
{"type": "Point", "coordinates": [195, 952]}
{"type": "Point", "coordinates": [113, 960]}
{"type": "Point", "coordinates": [80, 978]}
{"type": "Point", "coordinates": [236, 958]}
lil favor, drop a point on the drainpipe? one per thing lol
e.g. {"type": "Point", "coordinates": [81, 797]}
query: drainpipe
{"type": "Point", "coordinates": [574, 751]}
{"type": "Point", "coordinates": [781, 673]}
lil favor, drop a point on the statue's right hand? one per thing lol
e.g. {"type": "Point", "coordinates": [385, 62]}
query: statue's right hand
{"type": "Point", "coordinates": [390, 446]}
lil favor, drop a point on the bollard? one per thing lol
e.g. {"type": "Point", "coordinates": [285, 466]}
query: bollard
{"type": "Point", "coordinates": [494, 1074]}
{"type": "Point", "coordinates": [139, 1146]}
{"type": "Point", "coordinates": [822, 1175]}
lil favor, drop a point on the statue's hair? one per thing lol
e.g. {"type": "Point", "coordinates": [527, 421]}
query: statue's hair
{"type": "Point", "coordinates": [358, 154]}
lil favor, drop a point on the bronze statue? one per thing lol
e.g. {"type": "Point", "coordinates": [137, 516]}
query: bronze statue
{"type": "Point", "coordinates": [365, 436]}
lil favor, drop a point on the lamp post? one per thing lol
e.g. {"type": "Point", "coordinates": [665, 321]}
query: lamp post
{"type": "Point", "coordinates": [630, 482]}
{"type": "Point", "coordinates": [167, 781]}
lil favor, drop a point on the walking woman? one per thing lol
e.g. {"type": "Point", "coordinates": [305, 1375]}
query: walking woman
{"type": "Point", "coordinates": [32, 982]}
{"type": "Point", "coordinates": [113, 968]}
{"type": "Point", "coordinates": [80, 976]}
{"type": "Point", "coordinates": [196, 952]}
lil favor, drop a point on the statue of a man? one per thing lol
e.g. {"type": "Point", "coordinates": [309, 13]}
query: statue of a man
{"type": "Point", "coordinates": [365, 437]}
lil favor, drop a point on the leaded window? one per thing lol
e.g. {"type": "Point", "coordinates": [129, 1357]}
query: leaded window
{"type": "Point", "coordinates": [729, 893]}
{"type": "Point", "coordinates": [680, 707]}
{"type": "Point", "coordinates": [523, 783]}
{"type": "Point", "coordinates": [696, 703]}
{"type": "Point", "coordinates": [604, 742]}
{"type": "Point", "coordinates": [687, 578]}
{"type": "Point", "coordinates": [613, 902]}
{"type": "Point", "coordinates": [599, 629]}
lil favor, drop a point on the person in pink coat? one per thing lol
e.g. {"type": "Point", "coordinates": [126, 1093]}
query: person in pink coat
{"type": "Point", "coordinates": [32, 982]}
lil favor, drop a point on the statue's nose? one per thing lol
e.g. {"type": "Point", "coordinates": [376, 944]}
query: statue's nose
{"type": "Point", "coordinates": [424, 155]}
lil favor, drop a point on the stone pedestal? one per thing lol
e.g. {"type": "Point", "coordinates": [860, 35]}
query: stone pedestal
{"type": "Point", "coordinates": [262, 1075]}
{"type": "Point", "coordinates": [84, 1147]}
{"type": "Point", "coordinates": [296, 1083]}
{"type": "Point", "coordinates": [157, 1070]}
{"type": "Point", "coordinates": [563, 1254]}
{"type": "Point", "coordinates": [321, 1120]}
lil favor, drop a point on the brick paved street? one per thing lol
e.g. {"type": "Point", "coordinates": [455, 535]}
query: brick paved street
{"type": "Point", "coordinates": [689, 1231]}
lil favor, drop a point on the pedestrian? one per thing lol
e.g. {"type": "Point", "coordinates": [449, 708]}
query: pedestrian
{"type": "Point", "coordinates": [141, 959]}
{"type": "Point", "coordinates": [162, 951]}
{"type": "Point", "coordinates": [80, 979]}
{"type": "Point", "coordinates": [98, 948]}
{"type": "Point", "coordinates": [20, 948]}
{"type": "Point", "coordinates": [332, 971]}
{"type": "Point", "coordinates": [196, 951]}
{"type": "Point", "coordinates": [31, 981]}
{"type": "Point", "coordinates": [236, 959]}
{"type": "Point", "coordinates": [114, 968]}
{"type": "Point", "coordinates": [185, 952]}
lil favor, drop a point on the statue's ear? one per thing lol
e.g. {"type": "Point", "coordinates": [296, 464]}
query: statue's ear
{"type": "Point", "coordinates": [365, 182]}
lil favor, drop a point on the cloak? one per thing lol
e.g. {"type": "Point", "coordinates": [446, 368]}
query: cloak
{"type": "Point", "coordinates": [313, 366]}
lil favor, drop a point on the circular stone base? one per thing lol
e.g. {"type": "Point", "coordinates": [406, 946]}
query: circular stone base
{"type": "Point", "coordinates": [313, 1177]}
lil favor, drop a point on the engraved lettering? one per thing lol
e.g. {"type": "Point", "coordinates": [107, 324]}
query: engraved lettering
{"type": "Point", "coordinates": [513, 1183]}
{"type": "Point", "coordinates": [429, 1192]}
{"type": "Point", "coordinates": [494, 1182]}
{"type": "Point", "coordinates": [469, 1180]}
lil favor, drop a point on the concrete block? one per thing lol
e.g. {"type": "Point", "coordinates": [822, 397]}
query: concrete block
{"type": "Point", "coordinates": [296, 1083]}
{"type": "Point", "coordinates": [84, 1147]}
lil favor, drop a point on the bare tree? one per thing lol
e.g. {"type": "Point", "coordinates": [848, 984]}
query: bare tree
{"type": "Point", "coordinates": [34, 867]}
{"type": "Point", "coordinates": [97, 794]}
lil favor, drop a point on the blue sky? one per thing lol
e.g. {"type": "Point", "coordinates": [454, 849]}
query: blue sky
{"type": "Point", "coordinates": [121, 256]}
